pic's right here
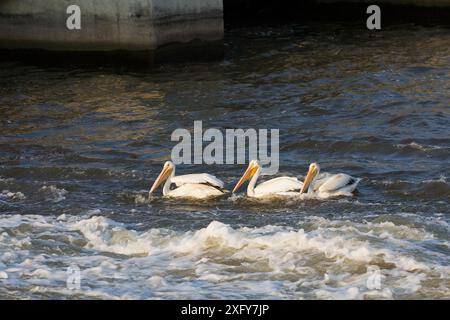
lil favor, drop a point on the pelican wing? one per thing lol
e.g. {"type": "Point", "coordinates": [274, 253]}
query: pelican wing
{"type": "Point", "coordinates": [320, 180]}
{"type": "Point", "coordinates": [196, 191]}
{"type": "Point", "coordinates": [336, 182]}
{"type": "Point", "coordinates": [197, 178]}
{"type": "Point", "coordinates": [281, 184]}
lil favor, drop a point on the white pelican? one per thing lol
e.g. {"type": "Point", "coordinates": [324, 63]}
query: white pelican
{"type": "Point", "coordinates": [282, 186]}
{"type": "Point", "coordinates": [199, 185]}
{"type": "Point", "coordinates": [326, 184]}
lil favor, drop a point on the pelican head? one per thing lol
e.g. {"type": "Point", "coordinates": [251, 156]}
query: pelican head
{"type": "Point", "coordinates": [253, 167]}
{"type": "Point", "coordinates": [166, 171]}
{"type": "Point", "coordinates": [313, 171]}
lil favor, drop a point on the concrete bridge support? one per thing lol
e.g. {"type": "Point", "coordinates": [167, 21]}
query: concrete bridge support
{"type": "Point", "coordinates": [134, 25]}
{"type": "Point", "coordinates": [108, 24]}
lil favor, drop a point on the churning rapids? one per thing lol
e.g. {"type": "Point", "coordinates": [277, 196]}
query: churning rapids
{"type": "Point", "coordinates": [79, 148]}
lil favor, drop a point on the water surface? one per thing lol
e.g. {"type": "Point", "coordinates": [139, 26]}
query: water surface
{"type": "Point", "coordinates": [79, 148]}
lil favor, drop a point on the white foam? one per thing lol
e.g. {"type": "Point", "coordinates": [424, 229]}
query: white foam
{"type": "Point", "coordinates": [442, 178]}
{"type": "Point", "coordinates": [55, 194]}
{"type": "Point", "coordinates": [40, 273]}
{"type": "Point", "coordinates": [140, 199]}
{"type": "Point", "coordinates": [383, 230]}
{"type": "Point", "coordinates": [417, 146]}
{"type": "Point", "coordinates": [12, 195]}
{"type": "Point", "coordinates": [244, 244]}
{"type": "Point", "coordinates": [156, 281]}
{"type": "Point", "coordinates": [329, 259]}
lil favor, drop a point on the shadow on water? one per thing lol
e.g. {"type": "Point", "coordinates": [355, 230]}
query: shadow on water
{"type": "Point", "coordinates": [237, 14]}
{"type": "Point", "coordinates": [134, 61]}
{"type": "Point", "coordinates": [240, 13]}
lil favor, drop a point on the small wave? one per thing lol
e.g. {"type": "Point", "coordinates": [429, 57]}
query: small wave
{"type": "Point", "coordinates": [54, 194]}
{"type": "Point", "coordinates": [327, 259]}
{"type": "Point", "coordinates": [12, 195]}
{"type": "Point", "coordinates": [141, 199]}
{"type": "Point", "coordinates": [417, 146]}
{"type": "Point", "coordinates": [277, 250]}
{"type": "Point", "coordinates": [442, 179]}
{"type": "Point", "coordinates": [106, 235]}
{"type": "Point", "coordinates": [425, 189]}
{"type": "Point", "coordinates": [383, 229]}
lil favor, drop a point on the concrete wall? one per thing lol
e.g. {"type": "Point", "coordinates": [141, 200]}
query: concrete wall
{"type": "Point", "coordinates": [127, 24]}
{"type": "Point", "coordinates": [109, 24]}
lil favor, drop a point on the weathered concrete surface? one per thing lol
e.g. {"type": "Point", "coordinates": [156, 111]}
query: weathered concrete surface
{"type": "Point", "coordinates": [130, 24]}
{"type": "Point", "coordinates": [109, 24]}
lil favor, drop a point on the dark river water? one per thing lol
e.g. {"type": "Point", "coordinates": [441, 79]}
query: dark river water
{"type": "Point", "coordinates": [80, 147]}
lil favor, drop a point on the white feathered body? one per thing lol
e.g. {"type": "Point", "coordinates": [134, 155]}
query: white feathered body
{"type": "Point", "coordinates": [197, 185]}
{"type": "Point", "coordinates": [281, 186]}
{"type": "Point", "coordinates": [330, 185]}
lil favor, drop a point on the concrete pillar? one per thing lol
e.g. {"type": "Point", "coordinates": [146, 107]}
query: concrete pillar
{"type": "Point", "coordinates": [109, 24]}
